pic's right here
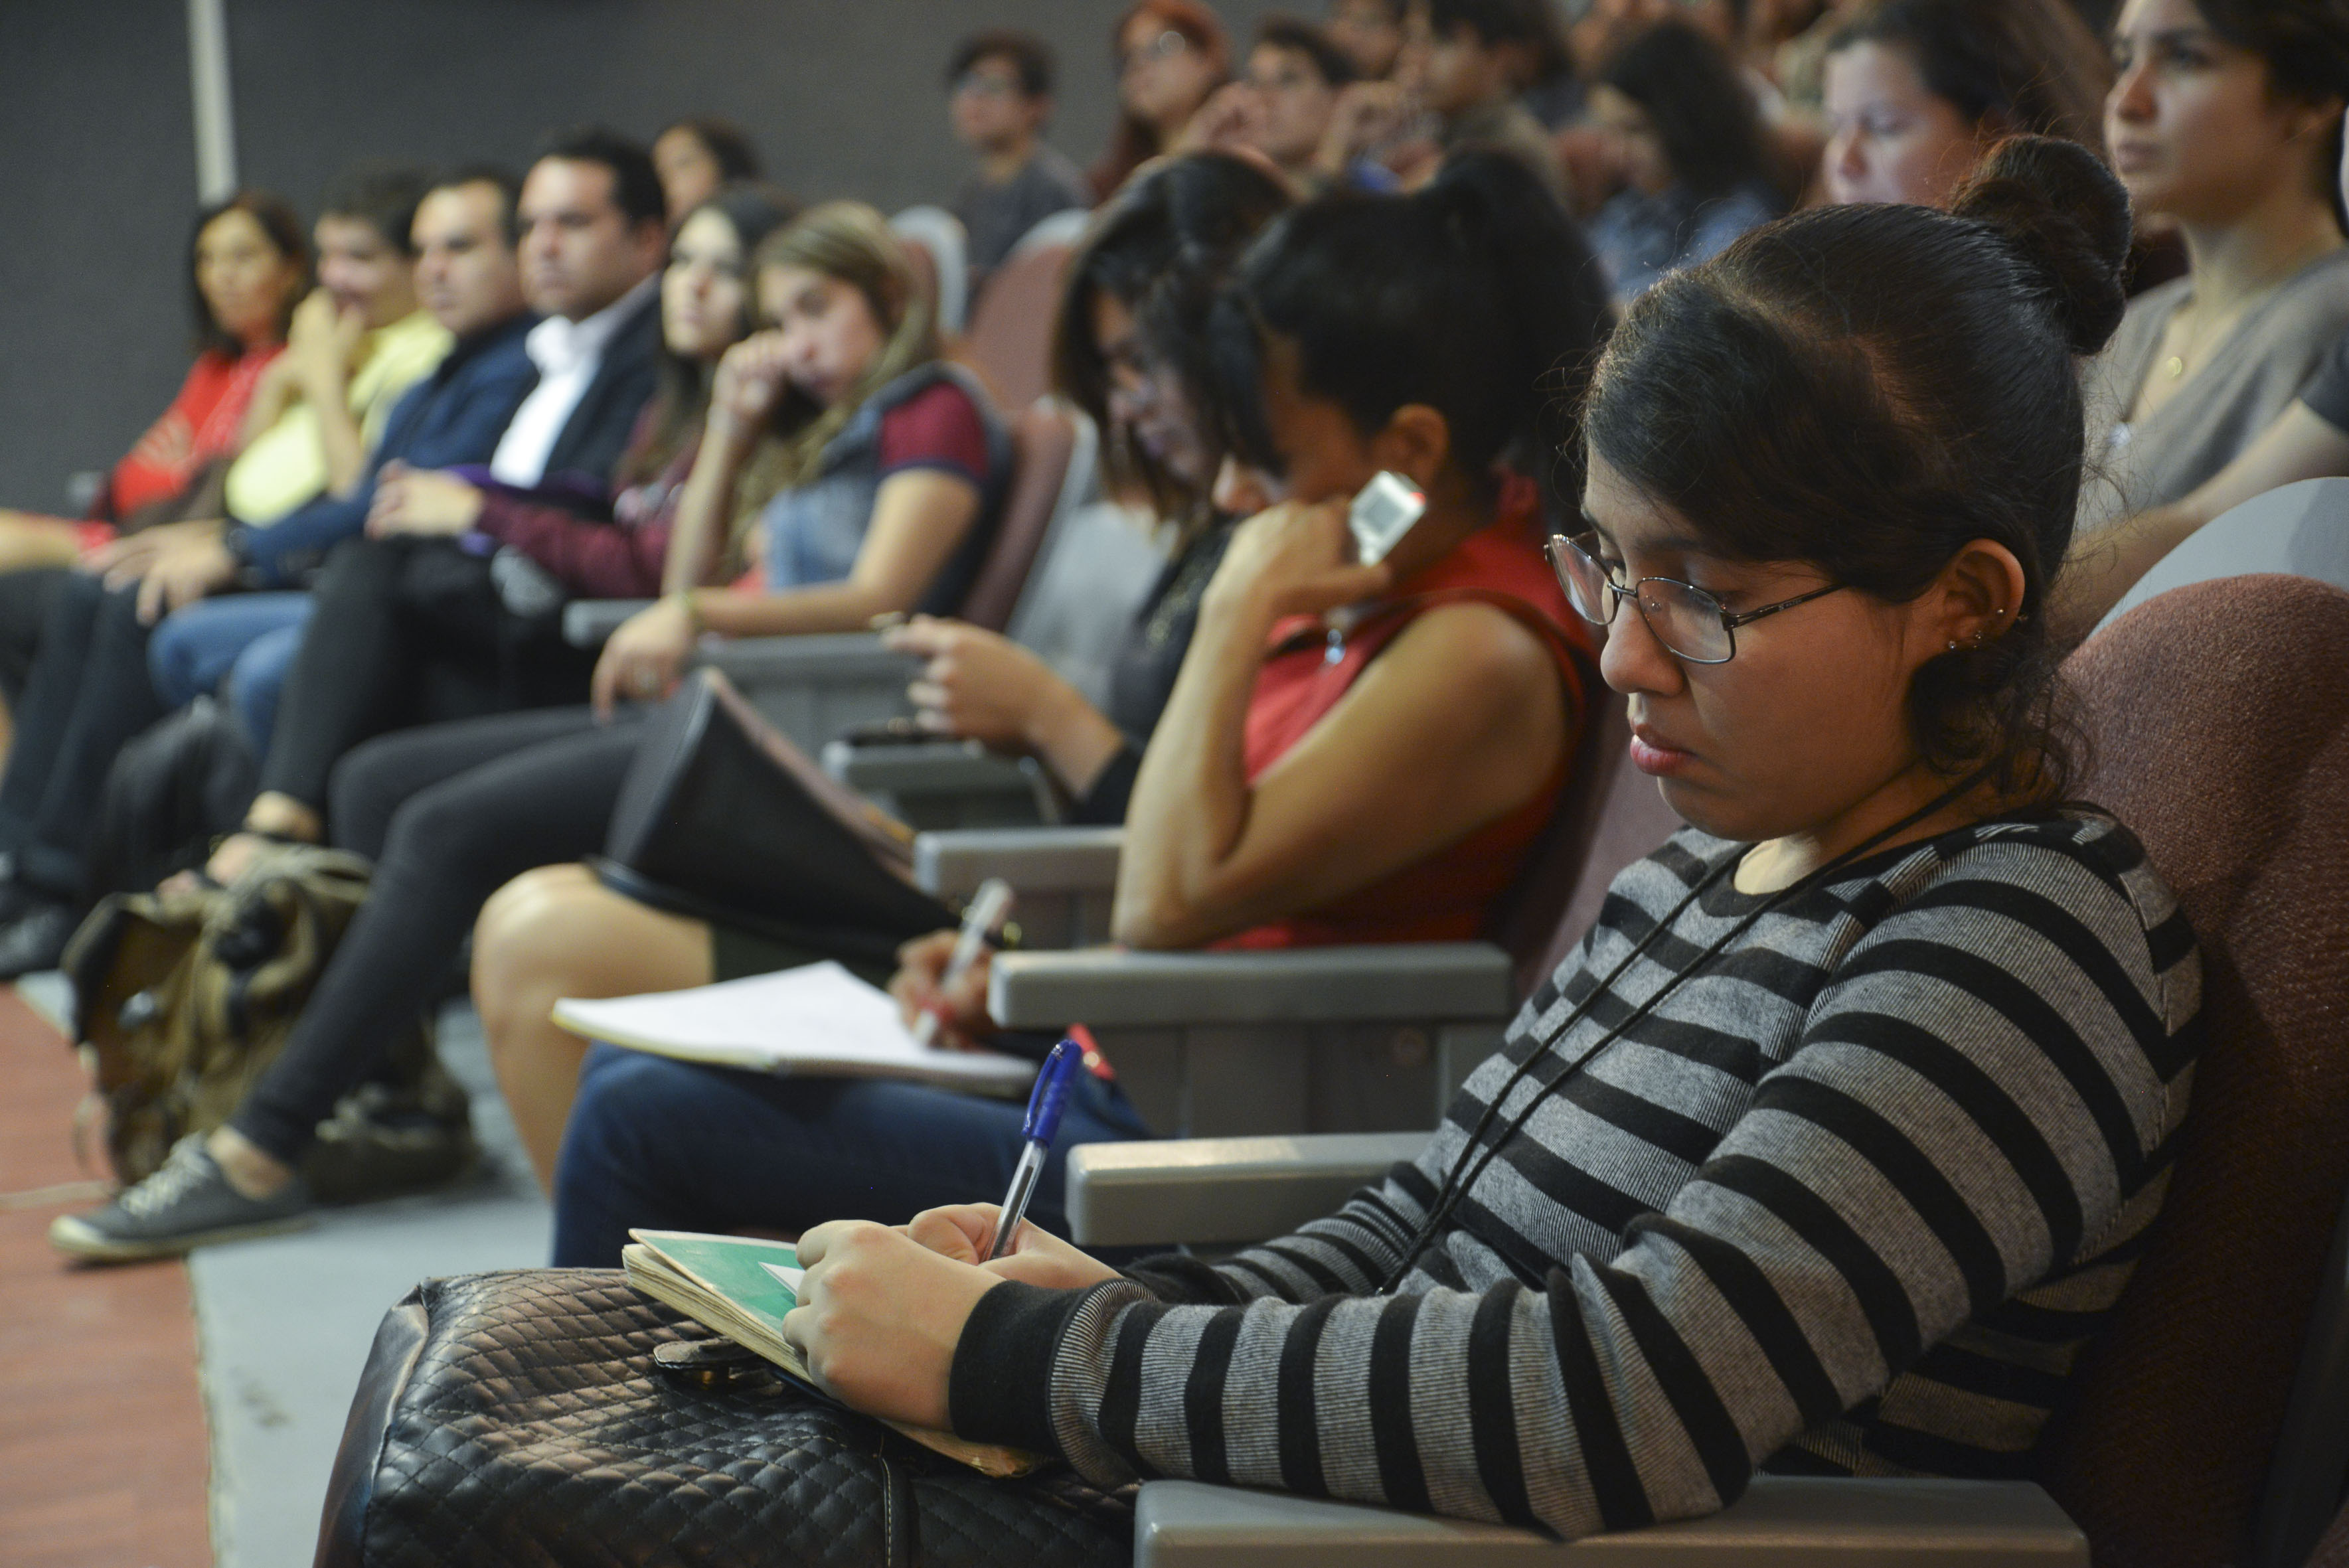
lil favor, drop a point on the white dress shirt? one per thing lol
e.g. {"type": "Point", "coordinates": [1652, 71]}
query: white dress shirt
{"type": "Point", "coordinates": [567, 353]}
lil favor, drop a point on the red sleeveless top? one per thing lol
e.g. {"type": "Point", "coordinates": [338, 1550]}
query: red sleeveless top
{"type": "Point", "coordinates": [1448, 895]}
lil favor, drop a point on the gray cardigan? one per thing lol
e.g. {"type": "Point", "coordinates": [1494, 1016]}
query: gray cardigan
{"type": "Point", "coordinates": [2256, 373]}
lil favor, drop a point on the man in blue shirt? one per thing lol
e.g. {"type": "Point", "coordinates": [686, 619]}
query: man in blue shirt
{"type": "Point", "coordinates": [91, 692]}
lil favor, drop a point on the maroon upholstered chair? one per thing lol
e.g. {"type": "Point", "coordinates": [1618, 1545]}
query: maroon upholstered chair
{"type": "Point", "coordinates": [1009, 340]}
{"type": "Point", "coordinates": [1043, 440]}
{"type": "Point", "coordinates": [2218, 716]}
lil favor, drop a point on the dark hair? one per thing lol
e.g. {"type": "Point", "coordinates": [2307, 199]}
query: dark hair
{"type": "Point", "coordinates": [1134, 141]}
{"type": "Point", "coordinates": [1868, 388]}
{"type": "Point", "coordinates": [284, 231]}
{"type": "Point", "coordinates": [635, 186]}
{"type": "Point", "coordinates": [1031, 58]}
{"type": "Point", "coordinates": [1160, 248]}
{"type": "Point", "coordinates": [1496, 21]}
{"type": "Point", "coordinates": [381, 195]}
{"type": "Point", "coordinates": [2305, 45]}
{"type": "Point", "coordinates": [681, 388]}
{"type": "Point", "coordinates": [2028, 66]}
{"type": "Point", "coordinates": [1329, 62]}
{"type": "Point", "coordinates": [502, 180]}
{"type": "Point", "coordinates": [1702, 109]}
{"type": "Point", "coordinates": [725, 143]}
{"type": "Point", "coordinates": [1474, 295]}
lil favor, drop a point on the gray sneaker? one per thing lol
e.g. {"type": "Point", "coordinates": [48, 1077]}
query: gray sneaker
{"type": "Point", "coordinates": [185, 1204]}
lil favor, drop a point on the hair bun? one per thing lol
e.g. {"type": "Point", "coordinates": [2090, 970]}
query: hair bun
{"type": "Point", "coordinates": [2057, 204]}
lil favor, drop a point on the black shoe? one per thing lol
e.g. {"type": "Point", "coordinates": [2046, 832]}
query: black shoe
{"type": "Point", "coordinates": [36, 939]}
{"type": "Point", "coordinates": [188, 1203]}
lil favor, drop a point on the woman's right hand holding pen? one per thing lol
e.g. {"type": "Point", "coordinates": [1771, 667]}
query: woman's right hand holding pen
{"type": "Point", "coordinates": [965, 1232]}
{"type": "Point", "coordinates": [920, 986]}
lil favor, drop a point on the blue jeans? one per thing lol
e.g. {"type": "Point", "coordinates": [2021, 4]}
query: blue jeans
{"type": "Point", "coordinates": [246, 641]}
{"type": "Point", "coordinates": [667, 1145]}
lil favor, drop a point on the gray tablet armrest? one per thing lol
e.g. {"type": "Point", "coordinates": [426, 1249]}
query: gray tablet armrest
{"type": "Point", "coordinates": [1199, 1192]}
{"type": "Point", "coordinates": [946, 784]}
{"type": "Point", "coordinates": [1032, 860]}
{"type": "Point", "coordinates": [1112, 989]}
{"type": "Point", "coordinates": [590, 623]}
{"type": "Point", "coordinates": [830, 657]}
{"type": "Point", "coordinates": [1781, 1522]}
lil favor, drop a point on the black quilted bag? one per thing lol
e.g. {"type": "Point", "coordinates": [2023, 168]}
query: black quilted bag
{"type": "Point", "coordinates": [517, 1418]}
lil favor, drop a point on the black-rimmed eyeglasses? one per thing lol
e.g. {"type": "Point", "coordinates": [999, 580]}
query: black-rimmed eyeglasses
{"type": "Point", "coordinates": [1687, 619]}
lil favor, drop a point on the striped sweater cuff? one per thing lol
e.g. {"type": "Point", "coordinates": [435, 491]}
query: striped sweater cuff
{"type": "Point", "coordinates": [999, 1388]}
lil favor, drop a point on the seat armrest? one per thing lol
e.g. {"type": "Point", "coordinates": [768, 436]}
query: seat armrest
{"type": "Point", "coordinates": [1032, 860]}
{"type": "Point", "coordinates": [1112, 989]}
{"type": "Point", "coordinates": [753, 661]}
{"type": "Point", "coordinates": [590, 623]}
{"type": "Point", "coordinates": [1194, 1191]}
{"type": "Point", "coordinates": [1781, 1522]}
{"type": "Point", "coordinates": [925, 768]}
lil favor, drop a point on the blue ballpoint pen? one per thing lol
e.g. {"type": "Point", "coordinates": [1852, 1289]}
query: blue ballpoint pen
{"type": "Point", "coordinates": [1045, 1103]}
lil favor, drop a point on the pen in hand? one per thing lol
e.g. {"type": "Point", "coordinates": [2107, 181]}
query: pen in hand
{"type": "Point", "coordinates": [982, 915]}
{"type": "Point", "coordinates": [1045, 1103]}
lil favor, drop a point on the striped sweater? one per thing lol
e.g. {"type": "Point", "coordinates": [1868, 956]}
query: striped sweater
{"type": "Point", "coordinates": [1850, 1199]}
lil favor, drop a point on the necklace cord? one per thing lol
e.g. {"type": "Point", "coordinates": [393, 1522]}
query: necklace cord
{"type": "Point", "coordinates": [1455, 1190]}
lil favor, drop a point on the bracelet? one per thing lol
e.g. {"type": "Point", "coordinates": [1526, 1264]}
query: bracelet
{"type": "Point", "coordinates": [690, 603]}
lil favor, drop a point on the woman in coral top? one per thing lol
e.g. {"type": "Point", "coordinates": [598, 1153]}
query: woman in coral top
{"type": "Point", "coordinates": [1351, 753]}
{"type": "Point", "coordinates": [248, 264]}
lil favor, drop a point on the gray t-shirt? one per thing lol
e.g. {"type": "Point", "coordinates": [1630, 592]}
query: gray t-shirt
{"type": "Point", "coordinates": [2327, 395]}
{"type": "Point", "coordinates": [2254, 374]}
{"type": "Point", "coordinates": [995, 216]}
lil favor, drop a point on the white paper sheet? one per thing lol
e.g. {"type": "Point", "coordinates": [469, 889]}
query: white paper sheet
{"type": "Point", "coordinates": [816, 1019]}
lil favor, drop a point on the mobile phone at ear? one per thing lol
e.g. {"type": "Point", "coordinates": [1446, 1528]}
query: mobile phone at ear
{"type": "Point", "coordinates": [1382, 513]}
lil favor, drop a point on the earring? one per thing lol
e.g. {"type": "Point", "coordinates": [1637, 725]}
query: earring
{"type": "Point", "coordinates": [1954, 647]}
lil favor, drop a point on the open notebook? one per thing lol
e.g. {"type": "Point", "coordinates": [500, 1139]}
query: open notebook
{"type": "Point", "coordinates": [818, 1018]}
{"type": "Point", "coordinates": [741, 1287]}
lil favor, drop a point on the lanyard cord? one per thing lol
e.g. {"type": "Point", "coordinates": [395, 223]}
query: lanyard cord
{"type": "Point", "coordinates": [1455, 1189]}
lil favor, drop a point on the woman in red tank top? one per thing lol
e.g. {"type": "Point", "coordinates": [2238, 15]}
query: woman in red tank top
{"type": "Point", "coordinates": [1365, 753]}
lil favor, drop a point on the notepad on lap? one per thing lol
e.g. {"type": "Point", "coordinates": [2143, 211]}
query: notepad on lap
{"type": "Point", "coordinates": [818, 1019]}
{"type": "Point", "coordinates": [741, 1287]}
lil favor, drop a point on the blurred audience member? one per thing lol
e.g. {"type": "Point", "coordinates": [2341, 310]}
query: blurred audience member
{"type": "Point", "coordinates": [358, 344]}
{"type": "Point", "coordinates": [1463, 63]}
{"type": "Point", "coordinates": [248, 265]}
{"type": "Point", "coordinates": [2226, 119]}
{"type": "Point", "coordinates": [468, 277]}
{"type": "Point", "coordinates": [1286, 109]}
{"type": "Point", "coordinates": [449, 812]}
{"type": "Point", "coordinates": [1370, 32]}
{"type": "Point", "coordinates": [1170, 56]}
{"type": "Point", "coordinates": [1000, 88]}
{"type": "Point", "coordinates": [695, 157]}
{"type": "Point", "coordinates": [1916, 91]}
{"type": "Point", "coordinates": [1691, 153]}
{"type": "Point", "coordinates": [412, 626]}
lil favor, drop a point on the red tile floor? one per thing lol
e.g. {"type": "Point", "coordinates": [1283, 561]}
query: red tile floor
{"type": "Point", "coordinates": [104, 1457]}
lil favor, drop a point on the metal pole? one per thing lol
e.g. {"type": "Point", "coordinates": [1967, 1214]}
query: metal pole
{"type": "Point", "coordinates": [215, 117]}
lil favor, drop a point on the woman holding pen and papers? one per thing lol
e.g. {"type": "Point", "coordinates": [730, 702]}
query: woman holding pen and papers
{"type": "Point", "coordinates": [1376, 776]}
{"type": "Point", "coordinates": [1127, 350]}
{"type": "Point", "coordinates": [1831, 1147]}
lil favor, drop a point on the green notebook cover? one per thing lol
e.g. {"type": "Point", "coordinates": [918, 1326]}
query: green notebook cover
{"type": "Point", "coordinates": [734, 1266]}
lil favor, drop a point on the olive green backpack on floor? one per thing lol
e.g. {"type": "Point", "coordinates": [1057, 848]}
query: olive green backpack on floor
{"type": "Point", "coordinates": [183, 997]}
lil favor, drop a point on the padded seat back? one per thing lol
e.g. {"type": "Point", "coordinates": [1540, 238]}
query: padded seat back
{"type": "Point", "coordinates": [940, 252]}
{"type": "Point", "coordinates": [2217, 717]}
{"type": "Point", "coordinates": [1010, 343]}
{"type": "Point", "coordinates": [1043, 438]}
{"type": "Point", "coordinates": [2303, 529]}
{"type": "Point", "coordinates": [1609, 815]}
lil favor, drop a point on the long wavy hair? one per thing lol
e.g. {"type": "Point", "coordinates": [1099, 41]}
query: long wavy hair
{"type": "Point", "coordinates": [852, 242]}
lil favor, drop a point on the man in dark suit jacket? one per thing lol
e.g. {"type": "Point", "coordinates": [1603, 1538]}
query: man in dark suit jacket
{"type": "Point", "coordinates": [413, 623]}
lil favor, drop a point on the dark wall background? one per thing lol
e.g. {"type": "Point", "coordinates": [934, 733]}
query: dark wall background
{"type": "Point", "coordinates": [98, 161]}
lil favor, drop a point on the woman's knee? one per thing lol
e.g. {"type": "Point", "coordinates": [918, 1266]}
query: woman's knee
{"type": "Point", "coordinates": [536, 927]}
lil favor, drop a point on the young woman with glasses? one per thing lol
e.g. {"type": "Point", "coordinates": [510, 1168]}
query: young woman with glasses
{"type": "Point", "coordinates": [1170, 56]}
{"type": "Point", "coordinates": [1832, 1143]}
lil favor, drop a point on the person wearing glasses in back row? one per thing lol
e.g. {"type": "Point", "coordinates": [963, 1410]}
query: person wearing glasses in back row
{"type": "Point", "coordinates": [1834, 1141]}
{"type": "Point", "coordinates": [999, 92]}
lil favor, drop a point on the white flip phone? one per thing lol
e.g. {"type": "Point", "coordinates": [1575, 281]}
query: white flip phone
{"type": "Point", "coordinates": [1383, 513]}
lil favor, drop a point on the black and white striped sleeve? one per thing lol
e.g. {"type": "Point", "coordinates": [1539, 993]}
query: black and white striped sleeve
{"type": "Point", "coordinates": [1983, 1087]}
